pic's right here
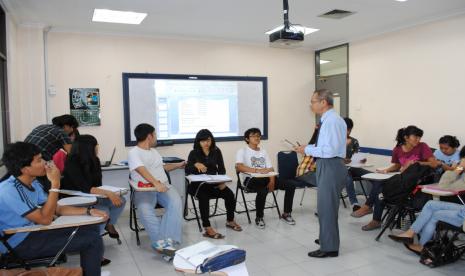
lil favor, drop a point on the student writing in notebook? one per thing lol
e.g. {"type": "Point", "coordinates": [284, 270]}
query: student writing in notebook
{"type": "Point", "coordinates": [83, 173]}
{"type": "Point", "coordinates": [206, 158]}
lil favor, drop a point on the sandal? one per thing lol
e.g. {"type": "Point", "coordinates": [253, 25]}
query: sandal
{"type": "Point", "coordinates": [216, 236]}
{"type": "Point", "coordinates": [410, 249]}
{"type": "Point", "coordinates": [234, 226]}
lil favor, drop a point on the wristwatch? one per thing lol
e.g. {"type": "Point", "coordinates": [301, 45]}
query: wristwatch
{"type": "Point", "coordinates": [88, 210]}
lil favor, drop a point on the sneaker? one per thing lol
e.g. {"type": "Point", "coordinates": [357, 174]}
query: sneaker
{"type": "Point", "coordinates": [164, 247]}
{"type": "Point", "coordinates": [260, 223]}
{"type": "Point", "coordinates": [288, 219]}
{"type": "Point", "coordinates": [355, 207]}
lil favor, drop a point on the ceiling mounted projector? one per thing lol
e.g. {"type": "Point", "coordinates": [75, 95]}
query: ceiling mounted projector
{"type": "Point", "coordinates": [288, 35]}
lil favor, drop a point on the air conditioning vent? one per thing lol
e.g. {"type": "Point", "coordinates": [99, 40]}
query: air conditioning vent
{"type": "Point", "coordinates": [336, 14]}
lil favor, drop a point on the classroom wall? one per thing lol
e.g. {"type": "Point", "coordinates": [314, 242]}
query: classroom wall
{"type": "Point", "coordinates": [89, 60]}
{"type": "Point", "coordinates": [26, 80]}
{"type": "Point", "coordinates": [412, 76]}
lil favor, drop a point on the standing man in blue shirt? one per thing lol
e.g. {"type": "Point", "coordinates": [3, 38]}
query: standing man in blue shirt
{"type": "Point", "coordinates": [331, 173]}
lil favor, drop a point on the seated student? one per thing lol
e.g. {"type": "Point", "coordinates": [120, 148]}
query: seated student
{"type": "Point", "coordinates": [448, 153]}
{"type": "Point", "coordinates": [146, 166]}
{"type": "Point", "coordinates": [83, 173]}
{"type": "Point", "coordinates": [352, 148]}
{"type": "Point", "coordinates": [206, 158]}
{"type": "Point", "coordinates": [454, 179]}
{"type": "Point", "coordinates": [253, 159]}
{"type": "Point", "coordinates": [409, 150]}
{"type": "Point", "coordinates": [51, 138]}
{"type": "Point", "coordinates": [23, 202]}
{"type": "Point", "coordinates": [425, 224]}
{"type": "Point", "coordinates": [60, 156]}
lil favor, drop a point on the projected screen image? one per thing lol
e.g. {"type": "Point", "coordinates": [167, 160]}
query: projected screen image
{"type": "Point", "coordinates": [180, 105]}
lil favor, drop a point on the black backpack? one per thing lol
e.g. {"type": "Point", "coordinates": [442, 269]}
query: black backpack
{"type": "Point", "coordinates": [397, 189]}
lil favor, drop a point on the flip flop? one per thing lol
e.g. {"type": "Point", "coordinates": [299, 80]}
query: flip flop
{"type": "Point", "coordinates": [216, 236]}
{"type": "Point", "coordinates": [410, 249]}
{"type": "Point", "coordinates": [235, 227]}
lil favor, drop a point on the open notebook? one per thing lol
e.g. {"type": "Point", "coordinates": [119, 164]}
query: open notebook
{"type": "Point", "coordinates": [209, 178]}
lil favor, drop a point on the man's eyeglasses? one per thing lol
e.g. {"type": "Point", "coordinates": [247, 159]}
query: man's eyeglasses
{"type": "Point", "coordinates": [255, 135]}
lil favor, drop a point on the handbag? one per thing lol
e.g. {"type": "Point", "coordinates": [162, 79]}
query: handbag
{"type": "Point", "coordinates": [222, 260]}
{"type": "Point", "coordinates": [306, 165]}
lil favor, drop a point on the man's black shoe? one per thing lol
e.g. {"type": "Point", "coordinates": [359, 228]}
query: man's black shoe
{"type": "Point", "coordinates": [322, 254]}
{"type": "Point", "coordinates": [317, 241]}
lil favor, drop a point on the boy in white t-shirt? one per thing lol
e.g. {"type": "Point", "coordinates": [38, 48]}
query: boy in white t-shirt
{"type": "Point", "coordinates": [146, 166]}
{"type": "Point", "coordinates": [253, 159]}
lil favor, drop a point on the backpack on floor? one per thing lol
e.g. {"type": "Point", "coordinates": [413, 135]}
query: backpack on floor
{"type": "Point", "coordinates": [442, 249]}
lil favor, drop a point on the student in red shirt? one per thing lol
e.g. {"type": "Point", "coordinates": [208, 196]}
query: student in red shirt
{"type": "Point", "coordinates": [409, 150]}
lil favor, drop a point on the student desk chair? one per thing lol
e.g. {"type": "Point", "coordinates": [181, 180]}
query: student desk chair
{"type": "Point", "coordinates": [83, 199]}
{"type": "Point", "coordinates": [11, 258]}
{"type": "Point", "coordinates": [244, 189]}
{"type": "Point", "coordinates": [205, 180]}
{"type": "Point", "coordinates": [436, 191]}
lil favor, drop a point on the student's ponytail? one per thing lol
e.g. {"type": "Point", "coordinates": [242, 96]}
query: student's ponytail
{"type": "Point", "coordinates": [400, 137]}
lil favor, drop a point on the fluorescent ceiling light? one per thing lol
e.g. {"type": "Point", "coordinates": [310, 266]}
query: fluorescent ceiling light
{"type": "Point", "coordinates": [303, 29]}
{"type": "Point", "coordinates": [322, 61]}
{"type": "Point", "coordinates": [401, 0]}
{"type": "Point", "coordinates": [124, 17]}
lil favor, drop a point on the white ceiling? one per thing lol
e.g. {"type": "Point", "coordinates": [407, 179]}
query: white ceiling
{"type": "Point", "coordinates": [236, 20]}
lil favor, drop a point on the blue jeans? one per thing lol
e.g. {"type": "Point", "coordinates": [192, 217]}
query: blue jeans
{"type": "Point", "coordinates": [113, 212]}
{"type": "Point", "coordinates": [170, 225]}
{"type": "Point", "coordinates": [435, 211]}
{"type": "Point", "coordinates": [350, 189]}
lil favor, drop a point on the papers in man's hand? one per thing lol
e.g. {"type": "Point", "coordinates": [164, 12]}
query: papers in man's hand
{"type": "Point", "coordinates": [213, 178]}
{"type": "Point", "coordinates": [197, 253]}
{"type": "Point", "coordinates": [260, 175]}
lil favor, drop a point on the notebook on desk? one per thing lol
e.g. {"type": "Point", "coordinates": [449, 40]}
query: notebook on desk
{"type": "Point", "coordinates": [108, 163]}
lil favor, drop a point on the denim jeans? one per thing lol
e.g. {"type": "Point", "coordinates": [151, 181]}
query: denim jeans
{"type": "Point", "coordinates": [435, 211]}
{"type": "Point", "coordinates": [350, 189]}
{"type": "Point", "coordinates": [170, 225]}
{"type": "Point", "coordinates": [113, 212]}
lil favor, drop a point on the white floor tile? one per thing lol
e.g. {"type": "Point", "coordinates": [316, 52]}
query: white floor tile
{"type": "Point", "coordinates": [280, 249]}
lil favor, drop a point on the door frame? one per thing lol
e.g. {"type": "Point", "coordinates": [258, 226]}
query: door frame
{"type": "Point", "coordinates": [317, 69]}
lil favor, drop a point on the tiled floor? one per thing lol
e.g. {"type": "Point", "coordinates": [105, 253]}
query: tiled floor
{"type": "Point", "coordinates": [281, 249]}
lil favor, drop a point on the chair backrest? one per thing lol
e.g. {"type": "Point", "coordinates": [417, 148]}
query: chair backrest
{"type": "Point", "coordinates": [287, 164]}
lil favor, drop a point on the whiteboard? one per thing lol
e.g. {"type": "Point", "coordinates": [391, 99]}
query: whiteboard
{"type": "Point", "coordinates": [178, 106]}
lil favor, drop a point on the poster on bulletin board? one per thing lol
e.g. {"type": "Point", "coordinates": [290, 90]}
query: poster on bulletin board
{"type": "Point", "coordinates": [84, 104]}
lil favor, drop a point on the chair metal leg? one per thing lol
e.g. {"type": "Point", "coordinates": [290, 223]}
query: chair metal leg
{"type": "Point", "coordinates": [363, 189]}
{"type": "Point", "coordinates": [245, 205]}
{"type": "Point", "coordinates": [344, 202]}
{"type": "Point", "coordinates": [52, 263]}
{"type": "Point", "coordinates": [303, 194]}
{"type": "Point", "coordinates": [133, 225]}
{"type": "Point", "coordinates": [196, 213]}
{"type": "Point", "coordinates": [216, 207]}
{"type": "Point", "coordinates": [185, 204]}
{"type": "Point", "coordinates": [389, 220]}
{"type": "Point", "coordinates": [276, 204]}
